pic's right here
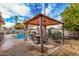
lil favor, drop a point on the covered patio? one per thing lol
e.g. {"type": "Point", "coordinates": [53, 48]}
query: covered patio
{"type": "Point", "coordinates": [43, 21]}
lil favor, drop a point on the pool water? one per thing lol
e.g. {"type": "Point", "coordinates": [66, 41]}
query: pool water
{"type": "Point", "coordinates": [23, 36]}
{"type": "Point", "coordinates": [20, 36]}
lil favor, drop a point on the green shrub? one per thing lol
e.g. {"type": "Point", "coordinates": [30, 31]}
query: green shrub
{"type": "Point", "coordinates": [57, 35]}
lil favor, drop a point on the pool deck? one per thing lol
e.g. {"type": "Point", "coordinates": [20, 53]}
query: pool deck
{"type": "Point", "coordinates": [8, 43]}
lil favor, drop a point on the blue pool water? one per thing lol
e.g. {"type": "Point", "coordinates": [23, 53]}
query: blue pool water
{"type": "Point", "coordinates": [20, 36]}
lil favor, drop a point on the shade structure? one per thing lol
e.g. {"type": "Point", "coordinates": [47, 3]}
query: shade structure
{"type": "Point", "coordinates": [42, 20]}
{"type": "Point", "coordinates": [47, 20]}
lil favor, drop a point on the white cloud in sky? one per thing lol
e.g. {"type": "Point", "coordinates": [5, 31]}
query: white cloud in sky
{"type": "Point", "coordinates": [21, 9]}
{"type": "Point", "coordinates": [5, 16]}
{"type": "Point", "coordinates": [12, 9]}
{"type": "Point", "coordinates": [7, 24]}
{"type": "Point", "coordinates": [48, 10]}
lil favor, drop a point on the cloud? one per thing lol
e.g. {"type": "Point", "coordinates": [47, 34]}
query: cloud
{"type": "Point", "coordinates": [50, 7]}
{"type": "Point", "coordinates": [55, 10]}
{"type": "Point", "coordinates": [12, 9]}
{"type": "Point", "coordinates": [21, 9]}
{"type": "Point", "coordinates": [5, 16]}
{"type": "Point", "coordinates": [8, 24]}
{"type": "Point", "coordinates": [27, 10]}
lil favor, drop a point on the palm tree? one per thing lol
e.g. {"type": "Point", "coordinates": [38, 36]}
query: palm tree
{"type": "Point", "coordinates": [16, 19]}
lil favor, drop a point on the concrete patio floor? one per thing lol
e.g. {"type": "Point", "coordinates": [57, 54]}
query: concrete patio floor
{"type": "Point", "coordinates": [8, 43]}
{"type": "Point", "coordinates": [11, 46]}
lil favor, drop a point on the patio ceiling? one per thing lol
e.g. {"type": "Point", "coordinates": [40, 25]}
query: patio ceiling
{"type": "Point", "coordinates": [47, 20]}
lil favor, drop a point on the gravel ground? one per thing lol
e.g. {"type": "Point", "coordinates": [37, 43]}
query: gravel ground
{"type": "Point", "coordinates": [70, 48]}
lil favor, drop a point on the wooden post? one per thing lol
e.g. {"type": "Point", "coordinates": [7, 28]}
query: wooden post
{"type": "Point", "coordinates": [26, 30]}
{"type": "Point", "coordinates": [44, 23]}
{"type": "Point", "coordinates": [41, 35]}
{"type": "Point", "coordinates": [44, 8]}
{"type": "Point", "coordinates": [63, 35]}
{"type": "Point", "coordinates": [45, 28]}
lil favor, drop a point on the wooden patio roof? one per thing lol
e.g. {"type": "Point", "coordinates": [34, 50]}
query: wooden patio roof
{"type": "Point", "coordinates": [47, 20]}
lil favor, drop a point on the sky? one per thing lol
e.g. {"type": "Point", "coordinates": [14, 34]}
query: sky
{"type": "Point", "coordinates": [28, 10]}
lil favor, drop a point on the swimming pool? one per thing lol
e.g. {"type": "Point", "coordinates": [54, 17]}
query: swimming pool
{"type": "Point", "coordinates": [23, 36]}
{"type": "Point", "coordinates": [20, 36]}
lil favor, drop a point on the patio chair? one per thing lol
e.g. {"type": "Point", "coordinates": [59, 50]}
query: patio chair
{"type": "Point", "coordinates": [33, 36]}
